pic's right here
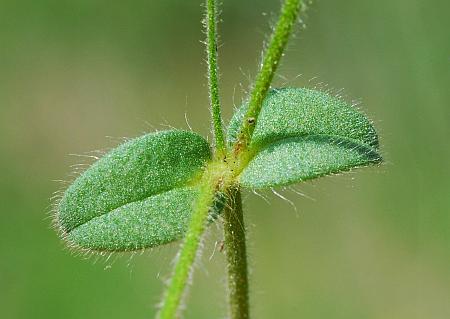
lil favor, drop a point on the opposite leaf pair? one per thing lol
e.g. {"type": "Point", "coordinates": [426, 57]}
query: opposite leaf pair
{"type": "Point", "coordinates": [141, 194]}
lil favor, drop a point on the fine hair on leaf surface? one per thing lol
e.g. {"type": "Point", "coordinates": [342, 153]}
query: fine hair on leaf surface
{"type": "Point", "coordinates": [172, 185]}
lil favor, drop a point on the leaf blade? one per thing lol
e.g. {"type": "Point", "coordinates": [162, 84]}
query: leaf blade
{"type": "Point", "coordinates": [295, 160]}
{"type": "Point", "coordinates": [313, 119]}
{"type": "Point", "coordinates": [154, 221]}
{"type": "Point", "coordinates": [143, 167]}
{"type": "Point", "coordinates": [288, 112]}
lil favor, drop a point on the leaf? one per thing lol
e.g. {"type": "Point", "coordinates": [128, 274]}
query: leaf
{"type": "Point", "coordinates": [303, 134]}
{"type": "Point", "coordinates": [154, 221]}
{"type": "Point", "coordinates": [138, 195]}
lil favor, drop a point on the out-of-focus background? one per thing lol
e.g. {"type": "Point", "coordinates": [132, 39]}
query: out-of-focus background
{"type": "Point", "coordinates": [78, 76]}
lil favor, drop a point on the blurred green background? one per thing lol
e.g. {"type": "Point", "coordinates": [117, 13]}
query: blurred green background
{"type": "Point", "coordinates": [77, 76]}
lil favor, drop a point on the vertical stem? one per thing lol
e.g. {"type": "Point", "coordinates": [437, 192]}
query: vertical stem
{"type": "Point", "coordinates": [213, 82]}
{"type": "Point", "coordinates": [188, 251]}
{"type": "Point", "coordinates": [234, 233]}
{"type": "Point", "coordinates": [272, 56]}
{"type": "Point", "coordinates": [233, 217]}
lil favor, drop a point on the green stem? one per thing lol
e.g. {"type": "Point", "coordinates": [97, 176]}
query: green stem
{"type": "Point", "coordinates": [188, 251]}
{"type": "Point", "coordinates": [220, 175]}
{"type": "Point", "coordinates": [213, 82]}
{"type": "Point", "coordinates": [272, 56]}
{"type": "Point", "coordinates": [234, 233]}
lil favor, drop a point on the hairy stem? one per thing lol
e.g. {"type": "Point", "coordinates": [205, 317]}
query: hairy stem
{"type": "Point", "coordinates": [213, 82]}
{"type": "Point", "coordinates": [272, 56]}
{"type": "Point", "coordinates": [189, 249]}
{"type": "Point", "coordinates": [234, 233]}
{"type": "Point", "coordinates": [220, 175]}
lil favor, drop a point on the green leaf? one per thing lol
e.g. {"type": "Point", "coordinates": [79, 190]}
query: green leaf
{"type": "Point", "coordinates": [154, 221]}
{"type": "Point", "coordinates": [303, 134]}
{"type": "Point", "coordinates": [138, 195]}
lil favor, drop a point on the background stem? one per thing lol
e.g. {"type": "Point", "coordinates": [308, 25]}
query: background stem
{"type": "Point", "coordinates": [213, 82]}
{"type": "Point", "coordinates": [234, 233]}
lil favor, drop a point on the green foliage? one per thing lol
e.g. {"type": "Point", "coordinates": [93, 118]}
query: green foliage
{"type": "Point", "coordinates": [302, 134]}
{"type": "Point", "coordinates": [133, 181]}
{"type": "Point", "coordinates": [154, 221]}
{"type": "Point", "coordinates": [163, 186]}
